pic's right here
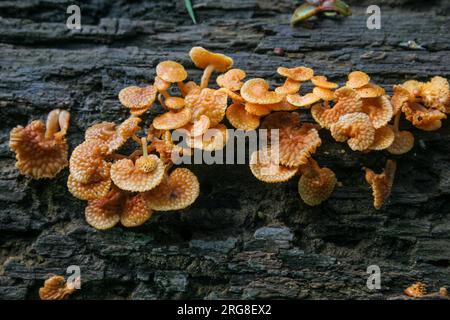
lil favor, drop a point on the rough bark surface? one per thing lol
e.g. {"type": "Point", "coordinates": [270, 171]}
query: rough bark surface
{"type": "Point", "coordinates": [242, 238]}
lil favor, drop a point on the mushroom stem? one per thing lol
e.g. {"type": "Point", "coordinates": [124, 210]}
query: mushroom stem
{"type": "Point", "coordinates": [182, 88]}
{"type": "Point", "coordinates": [397, 121]}
{"type": "Point", "coordinates": [165, 94]}
{"type": "Point", "coordinates": [144, 146]}
{"type": "Point", "coordinates": [52, 124]}
{"type": "Point", "coordinates": [136, 139]}
{"type": "Point", "coordinates": [206, 75]}
{"type": "Point", "coordinates": [63, 121]}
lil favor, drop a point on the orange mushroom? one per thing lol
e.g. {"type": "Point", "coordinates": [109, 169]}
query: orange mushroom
{"type": "Point", "coordinates": [316, 184]}
{"type": "Point", "coordinates": [174, 103]}
{"type": "Point", "coordinates": [55, 288]}
{"type": "Point", "coordinates": [87, 162]}
{"type": "Point", "coordinates": [124, 131]}
{"type": "Point", "coordinates": [357, 79]}
{"type": "Point", "coordinates": [210, 62]}
{"type": "Point", "coordinates": [265, 167]}
{"type": "Point", "coordinates": [136, 211]}
{"type": "Point", "coordinates": [379, 110]}
{"type": "Point", "coordinates": [436, 94]}
{"type": "Point", "coordinates": [232, 79]}
{"type": "Point", "coordinates": [289, 87]}
{"type": "Point", "coordinates": [208, 102]}
{"type": "Point", "coordinates": [241, 118]}
{"type": "Point", "coordinates": [90, 190]}
{"type": "Point", "coordinates": [302, 101]}
{"type": "Point", "coordinates": [322, 82]}
{"type": "Point", "coordinates": [214, 139]}
{"type": "Point", "coordinates": [258, 110]}
{"type": "Point", "coordinates": [384, 137]}
{"type": "Point", "coordinates": [41, 150]}
{"type": "Point", "coordinates": [101, 132]}
{"type": "Point", "coordinates": [423, 118]}
{"type": "Point", "coordinates": [235, 97]}
{"type": "Point", "coordinates": [104, 213]}
{"type": "Point", "coordinates": [403, 140]}
{"type": "Point", "coordinates": [177, 191]}
{"type": "Point", "coordinates": [370, 91]}
{"type": "Point", "coordinates": [324, 94]}
{"type": "Point", "coordinates": [172, 119]}
{"type": "Point", "coordinates": [257, 91]}
{"type": "Point", "coordinates": [138, 99]}
{"type": "Point", "coordinates": [416, 290]}
{"type": "Point", "coordinates": [171, 71]}
{"type": "Point", "coordinates": [280, 119]}
{"type": "Point", "coordinates": [355, 128]}
{"type": "Point", "coordinates": [381, 183]}
{"type": "Point", "coordinates": [297, 74]}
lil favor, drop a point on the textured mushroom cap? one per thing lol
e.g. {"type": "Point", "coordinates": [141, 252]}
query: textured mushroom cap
{"type": "Point", "coordinates": [284, 105]}
{"type": "Point", "coordinates": [231, 79]}
{"type": "Point", "coordinates": [413, 86]}
{"type": "Point", "coordinates": [324, 94]}
{"type": "Point", "coordinates": [171, 71]}
{"type": "Point", "coordinates": [161, 85]}
{"type": "Point", "coordinates": [436, 94]}
{"type": "Point", "coordinates": [403, 143]}
{"type": "Point", "coordinates": [208, 102]}
{"type": "Point", "coordinates": [203, 58]}
{"type": "Point", "coordinates": [200, 126]}
{"type": "Point", "coordinates": [123, 132]}
{"type": "Point", "coordinates": [322, 82]}
{"type": "Point", "coordinates": [400, 97]}
{"type": "Point", "coordinates": [265, 168]}
{"type": "Point", "coordinates": [258, 110]}
{"type": "Point", "coordinates": [370, 91]}
{"type": "Point", "coordinates": [346, 101]}
{"type": "Point", "coordinates": [357, 79]}
{"type": "Point", "coordinates": [423, 118]}
{"type": "Point", "coordinates": [289, 87]}
{"type": "Point", "coordinates": [88, 191]}
{"type": "Point", "coordinates": [137, 97]}
{"type": "Point", "coordinates": [174, 103]}
{"type": "Point", "coordinates": [241, 118]}
{"type": "Point", "coordinates": [37, 156]}
{"type": "Point", "coordinates": [316, 188]}
{"type": "Point", "coordinates": [298, 73]}
{"type": "Point", "coordinates": [416, 290]}
{"type": "Point", "coordinates": [282, 119]}
{"type": "Point", "coordinates": [381, 183]}
{"type": "Point", "coordinates": [257, 91]}
{"type": "Point", "coordinates": [138, 112]}
{"type": "Point", "coordinates": [102, 131]}
{"type": "Point", "coordinates": [147, 163]}
{"type": "Point", "coordinates": [214, 139]}
{"type": "Point", "coordinates": [103, 213]}
{"type": "Point", "coordinates": [172, 119]}
{"type": "Point", "coordinates": [355, 128]}
{"type": "Point", "coordinates": [302, 101]}
{"type": "Point", "coordinates": [379, 110]}
{"type": "Point", "coordinates": [384, 137]}
{"type": "Point", "coordinates": [55, 288]}
{"type": "Point", "coordinates": [176, 192]}
{"type": "Point", "coordinates": [135, 211]}
{"type": "Point", "coordinates": [87, 162]}
{"type": "Point", "coordinates": [128, 177]}
{"type": "Point", "coordinates": [297, 143]}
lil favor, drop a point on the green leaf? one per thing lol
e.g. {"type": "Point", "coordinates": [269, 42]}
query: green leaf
{"type": "Point", "coordinates": [189, 9]}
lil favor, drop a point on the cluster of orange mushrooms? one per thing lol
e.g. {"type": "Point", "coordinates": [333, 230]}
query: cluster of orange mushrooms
{"type": "Point", "coordinates": [127, 188]}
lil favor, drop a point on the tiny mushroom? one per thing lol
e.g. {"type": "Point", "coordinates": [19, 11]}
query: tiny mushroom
{"type": "Point", "coordinates": [403, 140]}
{"type": "Point", "coordinates": [257, 91]}
{"type": "Point", "coordinates": [169, 72]}
{"type": "Point", "coordinates": [124, 131]}
{"type": "Point", "coordinates": [210, 62]}
{"type": "Point", "coordinates": [381, 183]}
{"type": "Point", "coordinates": [208, 102]}
{"type": "Point", "coordinates": [265, 167]}
{"type": "Point", "coordinates": [297, 74]}
{"type": "Point", "coordinates": [232, 79]}
{"type": "Point", "coordinates": [55, 288]}
{"type": "Point", "coordinates": [355, 128]}
{"type": "Point", "coordinates": [172, 119]}
{"type": "Point", "coordinates": [316, 184]}
{"type": "Point", "coordinates": [138, 99]}
{"type": "Point", "coordinates": [357, 79]}
{"type": "Point", "coordinates": [416, 290]}
{"type": "Point", "coordinates": [241, 118]}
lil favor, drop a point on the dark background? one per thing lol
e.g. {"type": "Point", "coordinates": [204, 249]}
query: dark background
{"type": "Point", "coordinates": [242, 238]}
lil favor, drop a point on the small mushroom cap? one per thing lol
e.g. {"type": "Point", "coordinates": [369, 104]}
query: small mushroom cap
{"type": "Point", "coordinates": [172, 120]}
{"type": "Point", "coordinates": [161, 85]}
{"type": "Point", "coordinates": [103, 214]}
{"type": "Point", "coordinates": [284, 105]}
{"type": "Point", "coordinates": [324, 94]}
{"type": "Point", "coordinates": [355, 128]}
{"type": "Point", "coordinates": [346, 101]}
{"type": "Point", "coordinates": [413, 86]}
{"type": "Point", "coordinates": [322, 82]}
{"type": "Point", "coordinates": [37, 156]}
{"type": "Point", "coordinates": [55, 288]}
{"type": "Point", "coordinates": [379, 110]}
{"type": "Point", "coordinates": [384, 137]}
{"type": "Point", "coordinates": [208, 102]}
{"type": "Point", "coordinates": [174, 103]}
{"type": "Point", "coordinates": [370, 91]}
{"type": "Point", "coordinates": [138, 97]}
{"type": "Point", "coordinates": [124, 132]}
{"type": "Point", "coordinates": [200, 126]}
{"type": "Point", "coordinates": [416, 290]}
{"type": "Point", "coordinates": [231, 79]}
{"type": "Point", "coordinates": [257, 91]}
{"type": "Point", "coordinates": [135, 211]}
{"type": "Point", "coordinates": [171, 71]}
{"type": "Point", "coordinates": [298, 73]}
{"type": "Point", "coordinates": [240, 118]}
{"type": "Point", "coordinates": [214, 139]}
{"type": "Point", "coordinates": [267, 169]}
{"type": "Point", "coordinates": [147, 163]}
{"type": "Point", "coordinates": [297, 143]}
{"type": "Point", "coordinates": [176, 192]}
{"type": "Point", "coordinates": [436, 94]}
{"type": "Point", "coordinates": [289, 87]}
{"type": "Point", "coordinates": [400, 97]}
{"type": "Point", "coordinates": [282, 119]}
{"type": "Point", "coordinates": [423, 118]}
{"type": "Point", "coordinates": [357, 79]}
{"type": "Point", "coordinates": [127, 176]}
{"type": "Point", "coordinates": [188, 87]}
{"type": "Point", "coordinates": [403, 143]}
{"type": "Point", "coordinates": [203, 58]}
{"type": "Point", "coordinates": [316, 187]}
{"type": "Point", "coordinates": [88, 191]}
{"type": "Point", "coordinates": [302, 101]}
{"type": "Point", "coordinates": [381, 183]}
{"type": "Point", "coordinates": [138, 112]}
{"type": "Point", "coordinates": [258, 110]}
{"type": "Point", "coordinates": [87, 162]}
{"type": "Point", "coordinates": [102, 131]}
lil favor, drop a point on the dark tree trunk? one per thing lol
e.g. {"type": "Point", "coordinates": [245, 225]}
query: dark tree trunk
{"type": "Point", "coordinates": [242, 238]}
